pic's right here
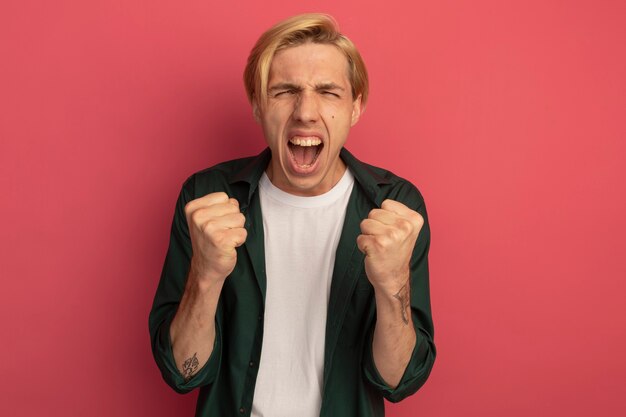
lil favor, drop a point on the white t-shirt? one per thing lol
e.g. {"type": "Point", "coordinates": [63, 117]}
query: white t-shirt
{"type": "Point", "coordinates": [301, 238]}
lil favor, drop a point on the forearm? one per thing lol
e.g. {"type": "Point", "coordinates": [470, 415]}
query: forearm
{"type": "Point", "coordinates": [192, 331]}
{"type": "Point", "coordinates": [394, 334]}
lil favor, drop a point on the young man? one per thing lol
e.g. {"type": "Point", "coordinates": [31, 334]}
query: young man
{"type": "Point", "coordinates": [296, 281]}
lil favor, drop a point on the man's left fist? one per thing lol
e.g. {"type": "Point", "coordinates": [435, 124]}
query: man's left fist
{"type": "Point", "coordinates": [387, 239]}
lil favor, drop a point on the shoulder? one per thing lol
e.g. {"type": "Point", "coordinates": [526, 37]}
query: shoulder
{"type": "Point", "coordinates": [380, 183]}
{"type": "Point", "coordinates": [219, 177]}
{"type": "Point", "coordinates": [402, 190]}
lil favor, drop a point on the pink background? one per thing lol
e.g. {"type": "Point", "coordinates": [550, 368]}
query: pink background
{"type": "Point", "coordinates": [509, 116]}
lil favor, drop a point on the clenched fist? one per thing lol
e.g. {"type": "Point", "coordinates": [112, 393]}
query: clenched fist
{"type": "Point", "coordinates": [216, 228]}
{"type": "Point", "coordinates": [387, 239]}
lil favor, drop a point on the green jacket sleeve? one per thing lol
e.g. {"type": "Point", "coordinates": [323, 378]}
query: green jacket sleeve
{"type": "Point", "coordinates": [423, 356]}
{"type": "Point", "coordinates": [167, 298]}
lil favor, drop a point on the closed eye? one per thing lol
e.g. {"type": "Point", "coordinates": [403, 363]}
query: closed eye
{"type": "Point", "coordinates": [285, 92]}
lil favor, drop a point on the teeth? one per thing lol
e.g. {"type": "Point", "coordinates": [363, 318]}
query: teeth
{"type": "Point", "coordinates": [305, 141]}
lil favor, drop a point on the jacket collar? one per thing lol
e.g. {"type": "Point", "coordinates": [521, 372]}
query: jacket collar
{"type": "Point", "coordinates": [368, 177]}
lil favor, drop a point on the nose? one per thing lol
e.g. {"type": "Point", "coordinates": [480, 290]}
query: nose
{"type": "Point", "coordinates": [306, 108]}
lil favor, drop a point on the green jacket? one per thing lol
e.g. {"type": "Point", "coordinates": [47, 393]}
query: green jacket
{"type": "Point", "coordinates": [352, 385]}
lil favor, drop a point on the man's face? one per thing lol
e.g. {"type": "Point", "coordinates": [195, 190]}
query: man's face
{"type": "Point", "coordinates": [307, 117]}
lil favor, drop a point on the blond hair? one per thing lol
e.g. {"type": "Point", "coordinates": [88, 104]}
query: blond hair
{"type": "Point", "coordinates": [297, 30]}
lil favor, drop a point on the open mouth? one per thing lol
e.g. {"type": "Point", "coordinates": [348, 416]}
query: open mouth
{"type": "Point", "coordinates": [305, 150]}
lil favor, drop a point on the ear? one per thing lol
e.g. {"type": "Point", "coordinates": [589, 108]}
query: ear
{"type": "Point", "coordinates": [357, 110]}
{"type": "Point", "coordinates": [256, 111]}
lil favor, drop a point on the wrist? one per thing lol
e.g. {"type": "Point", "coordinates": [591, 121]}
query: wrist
{"type": "Point", "coordinates": [199, 285]}
{"type": "Point", "coordinates": [203, 276]}
{"type": "Point", "coordinates": [388, 287]}
{"type": "Point", "coordinates": [394, 302]}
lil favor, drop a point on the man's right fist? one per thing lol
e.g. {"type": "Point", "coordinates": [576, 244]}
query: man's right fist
{"type": "Point", "coordinates": [216, 228]}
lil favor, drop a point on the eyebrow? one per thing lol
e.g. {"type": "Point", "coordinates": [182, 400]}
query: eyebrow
{"type": "Point", "coordinates": [318, 87]}
{"type": "Point", "coordinates": [328, 86]}
{"type": "Point", "coordinates": [284, 86]}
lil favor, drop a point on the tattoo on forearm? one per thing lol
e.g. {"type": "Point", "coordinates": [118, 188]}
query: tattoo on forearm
{"type": "Point", "coordinates": [189, 367]}
{"type": "Point", "coordinates": [403, 297]}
